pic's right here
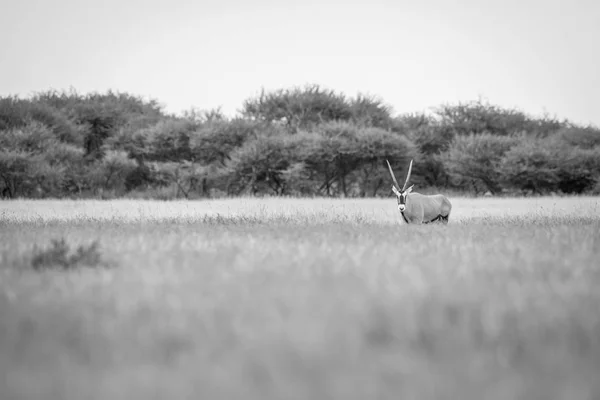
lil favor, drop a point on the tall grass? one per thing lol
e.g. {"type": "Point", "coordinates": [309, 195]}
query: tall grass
{"type": "Point", "coordinates": [295, 299]}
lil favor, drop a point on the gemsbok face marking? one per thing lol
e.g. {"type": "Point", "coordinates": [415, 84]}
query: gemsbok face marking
{"type": "Point", "coordinates": [417, 208]}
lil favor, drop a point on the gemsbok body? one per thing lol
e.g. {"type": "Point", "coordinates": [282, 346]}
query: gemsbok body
{"type": "Point", "coordinates": [417, 208]}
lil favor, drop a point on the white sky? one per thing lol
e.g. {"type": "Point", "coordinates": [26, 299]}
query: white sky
{"type": "Point", "coordinates": [536, 55]}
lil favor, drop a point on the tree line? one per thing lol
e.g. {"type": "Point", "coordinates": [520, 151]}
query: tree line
{"type": "Point", "coordinates": [300, 141]}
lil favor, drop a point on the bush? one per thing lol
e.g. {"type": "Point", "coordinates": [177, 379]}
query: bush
{"type": "Point", "coordinates": [103, 115]}
{"type": "Point", "coordinates": [18, 113]}
{"type": "Point", "coordinates": [543, 165]}
{"type": "Point", "coordinates": [33, 161]}
{"type": "Point", "coordinates": [584, 137]}
{"type": "Point", "coordinates": [475, 160]}
{"type": "Point", "coordinates": [298, 108]}
{"type": "Point", "coordinates": [60, 256]}
{"type": "Point", "coordinates": [482, 117]}
{"type": "Point", "coordinates": [258, 165]}
{"type": "Point", "coordinates": [185, 176]}
{"type": "Point", "coordinates": [213, 142]}
{"type": "Point", "coordinates": [343, 159]}
{"type": "Point", "coordinates": [530, 166]}
{"type": "Point", "coordinates": [126, 104]}
{"type": "Point", "coordinates": [370, 111]}
{"type": "Point", "coordinates": [64, 143]}
{"type": "Point", "coordinates": [111, 172]}
{"type": "Point", "coordinates": [578, 169]}
{"type": "Point", "coordinates": [169, 140]}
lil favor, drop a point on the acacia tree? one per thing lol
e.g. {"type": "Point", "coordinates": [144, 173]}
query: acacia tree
{"type": "Point", "coordinates": [16, 171]}
{"type": "Point", "coordinates": [371, 111]}
{"type": "Point", "coordinates": [298, 108]}
{"type": "Point", "coordinates": [111, 172]}
{"type": "Point", "coordinates": [213, 142]}
{"type": "Point", "coordinates": [258, 166]}
{"type": "Point", "coordinates": [543, 165]}
{"type": "Point", "coordinates": [482, 117]}
{"type": "Point", "coordinates": [304, 108]}
{"type": "Point", "coordinates": [184, 176]}
{"type": "Point", "coordinates": [33, 161]}
{"type": "Point", "coordinates": [431, 139]}
{"type": "Point", "coordinates": [585, 137]}
{"type": "Point", "coordinates": [375, 146]}
{"type": "Point", "coordinates": [475, 160]}
{"type": "Point", "coordinates": [343, 159]}
{"type": "Point", "coordinates": [529, 166]}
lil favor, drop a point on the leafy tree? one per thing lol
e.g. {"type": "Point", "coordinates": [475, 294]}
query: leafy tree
{"type": "Point", "coordinates": [65, 143]}
{"type": "Point", "coordinates": [102, 115]}
{"type": "Point", "coordinates": [166, 141]}
{"type": "Point", "coordinates": [345, 159]}
{"type": "Point", "coordinates": [111, 172]}
{"type": "Point", "coordinates": [431, 139]}
{"type": "Point", "coordinates": [374, 146]}
{"type": "Point", "coordinates": [298, 108]}
{"type": "Point", "coordinates": [408, 122]}
{"type": "Point", "coordinates": [128, 106]}
{"type": "Point", "coordinates": [543, 165]}
{"type": "Point", "coordinates": [305, 108]}
{"type": "Point", "coordinates": [584, 137]}
{"type": "Point", "coordinates": [205, 116]}
{"type": "Point", "coordinates": [578, 169]}
{"type": "Point", "coordinates": [169, 140]}
{"type": "Point", "coordinates": [213, 142]}
{"type": "Point", "coordinates": [370, 111]}
{"type": "Point", "coordinates": [184, 175]}
{"type": "Point", "coordinates": [482, 117]}
{"type": "Point", "coordinates": [475, 159]}
{"type": "Point", "coordinates": [16, 171]}
{"type": "Point", "coordinates": [259, 164]}
{"type": "Point", "coordinates": [33, 160]}
{"type": "Point", "coordinates": [530, 166]}
{"type": "Point", "coordinates": [17, 113]}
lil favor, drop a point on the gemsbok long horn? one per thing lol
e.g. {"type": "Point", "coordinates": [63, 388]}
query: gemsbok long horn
{"type": "Point", "coordinates": [417, 208]}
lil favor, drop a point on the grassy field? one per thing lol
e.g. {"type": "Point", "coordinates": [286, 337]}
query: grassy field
{"type": "Point", "coordinates": [302, 299]}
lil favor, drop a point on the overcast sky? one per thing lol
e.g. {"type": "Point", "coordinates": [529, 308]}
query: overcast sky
{"type": "Point", "coordinates": [536, 55]}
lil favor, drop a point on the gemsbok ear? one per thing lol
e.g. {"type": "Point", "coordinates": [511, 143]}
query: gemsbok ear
{"type": "Point", "coordinates": [409, 189]}
{"type": "Point", "coordinates": [396, 191]}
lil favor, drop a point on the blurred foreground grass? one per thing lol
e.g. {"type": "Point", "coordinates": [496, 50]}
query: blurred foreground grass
{"type": "Point", "coordinates": [297, 299]}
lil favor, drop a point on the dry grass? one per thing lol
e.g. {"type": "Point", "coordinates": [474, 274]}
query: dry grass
{"type": "Point", "coordinates": [297, 299]}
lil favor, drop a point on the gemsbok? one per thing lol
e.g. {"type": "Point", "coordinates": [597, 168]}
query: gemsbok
{"type": "Point", "coordinates": [417, 208]}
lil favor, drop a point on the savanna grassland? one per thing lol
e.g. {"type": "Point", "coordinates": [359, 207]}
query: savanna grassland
{"type": "Point", "coordinates": [302, 299]}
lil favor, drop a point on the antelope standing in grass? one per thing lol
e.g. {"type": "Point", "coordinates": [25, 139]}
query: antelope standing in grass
{"type": "Point", "coordinates": [417, 208]}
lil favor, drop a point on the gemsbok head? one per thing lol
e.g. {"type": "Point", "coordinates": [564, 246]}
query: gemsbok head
{"type": "Point", "coordinates": [417, 208]}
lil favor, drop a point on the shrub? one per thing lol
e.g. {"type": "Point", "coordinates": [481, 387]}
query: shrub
{"type": "Point", "coordinates": [60, 256]}
{"type": "Point", "coordinates": [578, 169]}
{"type": "Point", "coordinates": [64, 143]}
{"type": "Point", "coordinates": [33, 161]}
{"type": "Point", "coordinates": [344, 159]}
{"type": "Point", "coordinates": [103, 115]}
{"type": "Point", "coordinates": [215, 140]}
{"type": "Point", "coordinates": [127, 104]}
{"type": "Point", "coordinates": [475, 160]}
{"type": "Point", "coordinates": [112, 171]}
{"type": "Point", "coordinates": [544, 165]}
{"type": "Point", "coordinates": [298, 108]}
{"type": "Point", "coordinates": [370, 111]}
{"type": "Point", "coordinates": [18, 113]}
{"type": "Point", "coordinates": [584, 137]}
{"type": "Point", "coordinates": [482, 117]}
{"type": "Point", "coordinates": [530, 166]}
{"type": "Point", "coordinates": [258, 165]}
{"type": "Point", "coordinates": [185, 176]}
